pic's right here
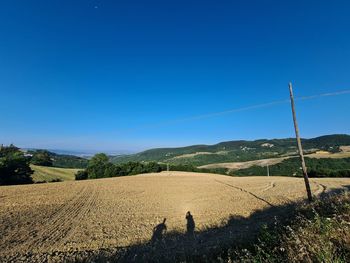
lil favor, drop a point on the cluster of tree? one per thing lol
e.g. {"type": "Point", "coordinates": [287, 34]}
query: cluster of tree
{"type": "Point", "coordinates": [100, 167]}
{"type": "Point", "coordinates": [14, 166]}
{"type": "Point", "coordinates": [329, 173]}
{"type": "Point", "coordinates": [327, 142]}
{"type": "Point", "coordinates": [41, 157]}
{"type": "Point", "coordinates": [69, 161]}
{"type": "Point", "coordinates": [324, 167]}
{"type": "Point", "coordinates": [46, 158]}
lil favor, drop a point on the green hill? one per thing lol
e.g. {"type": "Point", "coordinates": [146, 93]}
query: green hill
{"type": "Point", "coordinates": [323, 167]}
{"type": "Point", "coordinates": [236, 151]}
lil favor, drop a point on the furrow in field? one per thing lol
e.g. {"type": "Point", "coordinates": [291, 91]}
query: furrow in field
{"type": "Point", "coordinates": [64, 222]}
{"type": "Point", "coordinates": [89, 205]}
{"type": "Point", "coordinates": [53, 229]}
{"type": "Point", "coordinates": [73, 217]}
{"type": "Point", "coordinates": [38, 221]}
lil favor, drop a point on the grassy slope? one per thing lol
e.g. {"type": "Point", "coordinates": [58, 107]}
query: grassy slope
{"type": "Point", "coordinates": [42, 173]}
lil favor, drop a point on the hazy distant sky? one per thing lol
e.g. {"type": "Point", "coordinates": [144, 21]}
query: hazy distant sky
{"type": "Point", "coordinates": [117, 75]}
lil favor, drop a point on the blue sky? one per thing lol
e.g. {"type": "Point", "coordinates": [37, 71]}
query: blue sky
{"type": "Point", "coordinates": [117, 75]}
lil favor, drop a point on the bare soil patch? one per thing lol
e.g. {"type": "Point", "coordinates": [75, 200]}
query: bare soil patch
{"type": "Point", "coordinates": [118, 212]}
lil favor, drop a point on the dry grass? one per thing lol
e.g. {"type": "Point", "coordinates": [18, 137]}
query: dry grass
{"type": "Point", "coordinates": [244, 165]}
{"type": "Point", "coordinates": [345, 148]}
{"type": "Point", "coordinates": [330, 155]}
{"type": "Point", "coordinates": [109, 213]}
{"type": "Point", "coordinates": [189, 155]}
{"type": "Point", "coordinates": [44, 173]}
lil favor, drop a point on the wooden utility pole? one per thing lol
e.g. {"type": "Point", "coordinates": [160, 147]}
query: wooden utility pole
{"type": "Point", "coordinates": [300, 149]}
{"type": "Point", "coordinates": [268, 170]}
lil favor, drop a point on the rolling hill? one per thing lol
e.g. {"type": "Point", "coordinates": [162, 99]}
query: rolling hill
{"type": "Point", "coordinates": [62, 160]}
{"type": "Point", "coordinates": [237, 151]}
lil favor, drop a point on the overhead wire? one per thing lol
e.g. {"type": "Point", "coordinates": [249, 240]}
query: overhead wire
{"type": "Point", "coordinates": [246, 108]}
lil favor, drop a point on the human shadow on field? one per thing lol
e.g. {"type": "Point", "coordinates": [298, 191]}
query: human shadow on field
{"type": "Point", "coordinates": [211, 243]}
{"type": "Point", "coordinates": [190, 224]}
{"type": "Point", "coordinates": [159, 231]}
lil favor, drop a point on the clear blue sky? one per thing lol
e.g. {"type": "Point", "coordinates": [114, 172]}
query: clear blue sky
{"type": "Point", "coordinates": [116, 75]}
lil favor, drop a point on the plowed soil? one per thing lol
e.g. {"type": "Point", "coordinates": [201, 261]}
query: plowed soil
{"type": "Point", "coordinates": [118, 212]}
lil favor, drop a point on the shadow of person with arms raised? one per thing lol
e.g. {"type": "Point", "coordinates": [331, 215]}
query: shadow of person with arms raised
{"type": "Point", "coordinates": [190, 224]}
{"type": "Point", "coordinates": [158, 232]}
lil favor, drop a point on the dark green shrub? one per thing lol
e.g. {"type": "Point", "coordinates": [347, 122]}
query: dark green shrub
{"type": "Point", "coordinates": [41, 158]}
{"type": "Point", "coordinates": [81, 175]}
{"type": "Point", "coordinates": [56, 180]}
{"type": "Point", "coordinates": [14, 166]}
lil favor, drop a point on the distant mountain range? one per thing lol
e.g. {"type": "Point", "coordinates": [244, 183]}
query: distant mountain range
{"type": "Point", "coordinates": [236, 151]}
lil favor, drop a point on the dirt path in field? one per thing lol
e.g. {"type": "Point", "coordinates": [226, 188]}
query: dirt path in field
{"type": "Point", "coordinates": [245, 191]}
{"type": "Point", "coordinates": [38, 222]}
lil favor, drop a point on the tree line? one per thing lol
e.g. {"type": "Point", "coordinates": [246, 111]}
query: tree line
{"type": "Point", "coordinates": [15, 167]}
{"type": "Point", "coordinates": [100, 166]}
{"type": "Point", "coordinates": [46, 158]}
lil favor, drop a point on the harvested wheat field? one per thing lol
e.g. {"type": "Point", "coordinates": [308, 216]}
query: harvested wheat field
{"type": "Point", "coordinates": [48, 222]}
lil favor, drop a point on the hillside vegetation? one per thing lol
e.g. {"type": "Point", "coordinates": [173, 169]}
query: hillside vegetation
{"type": "Point", "coordinates": [236, 151]}
{"type": "Point", "coordinates": [317, 232]}
{"type": "Point", "coordinates": [58, 160]}
{"type": "Point", "coordinates": [323, 167]}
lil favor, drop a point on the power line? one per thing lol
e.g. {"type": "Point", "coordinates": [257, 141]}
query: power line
{"type": "Point", "coordinates": [251, 107]}
{"type": "Point", "coordinates": [263, 105]}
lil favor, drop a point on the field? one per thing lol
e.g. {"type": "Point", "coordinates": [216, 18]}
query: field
{"type": "Point", "coordinates": [44, 173]}
{"type": "Point", "coordinates": [53, 222]}
{"type": "Point", "coordinates": [244, 165]}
